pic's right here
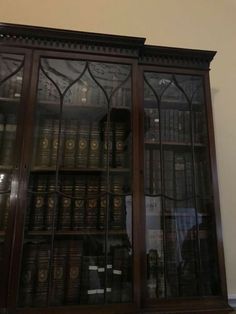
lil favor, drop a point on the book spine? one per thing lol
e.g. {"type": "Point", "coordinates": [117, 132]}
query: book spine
{"type": "Point", "coordinates": [51, 211]}
{"type": "Point", "coordinates": [70, 143]}
{"type": "Point", "coordinates": [91, 217]}
{"type": "Point", "coordinates": [40, 297]}
{"type": "Point", "coordinates": [43, 151]}
{"type": "Point", "coordinates": [58, 274]}
{"type": "Point", "coordinates": [108, 146]}
{"type": "Point", "coordinates": [55, 142]}
{"type": "Point", "coordinates": [65, 215]}
{"type": "Point", "coordinates": [38, 205]}
{"type": "Point", "coordinates": [82, 147]}
{"type": "Point", "coordinates": [117, 219]}
{"type": "Point", "coordinates": [79, 203]}
{"type": "Point", "coordinates": [120, 156]}
{"type": "Point", "coordinates": [4, 200]}
{"type": "Point", "coordinates": [94, 146]}
{"type": "Point", "coordinates": [73, 274]}
{"type": "Point", "coordinates": [102, 205]}
{"type": "Point", "coordinates": [28, 275]}
{"type": "Point", "coordinates": [8, 145]}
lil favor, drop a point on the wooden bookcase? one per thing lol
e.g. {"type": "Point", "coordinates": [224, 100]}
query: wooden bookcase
{"type": "Point", "coordinates": [108, 186]}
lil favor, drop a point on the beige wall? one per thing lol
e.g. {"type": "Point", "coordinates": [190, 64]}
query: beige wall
{"type": "Point", "coordinates": [203, 24]}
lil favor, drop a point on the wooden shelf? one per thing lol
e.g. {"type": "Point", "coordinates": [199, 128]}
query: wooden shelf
{"type": "Point", "coordinates": [165, 143]}
{"type": "Point", "coordinates": [78, 170]}
{"type": "Point", "coordinates": [75, 232]}
{"type": "Point", "coordinates": [173, 104]}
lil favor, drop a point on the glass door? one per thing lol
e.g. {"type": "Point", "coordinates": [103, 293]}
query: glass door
{"type": "Point", "coordinates": [11, 78]}
{"type": "Point", "coordinates": [180, 237]}
{"type": "Point", "coordinates": [77, 247]}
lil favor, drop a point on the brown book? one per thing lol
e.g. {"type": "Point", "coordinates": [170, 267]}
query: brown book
{"type": "Point", "coordinates": [91, 215]}
{"type": "Point", "coordinates": [28, 275]}
{"type": "Point", "coordinates": [70, 143]}
{"type": "Point", "coordinates": [82, 147]}
{"type": "Point", "coordinates": [59, 273]}
{"type": "Point", "coordinates": [94, 146]}
{"type": "Point", "coordinates": [42, 276]}
{"type": "Point", "coordinates": [107, 145]}
{"type": "Point", "coordinates": [55, 142]}
{"type": "Point", "coordinates": [51, 209]}
{"type": "Point", "coordinates": [8, 145]}
{"type": "Point", "coordinates": [38, 204]}
{"type": "Point", "coordinates": [102, 204]}
{"type": "Point", "coordinates": [66, 203]}
{"type": "Point", "coordinates": [117, 219]}
{"type": "Point", "coordinates": [73, 272]}
{"type": "Point", "coordinates": [4, 199]}
{"type": "Point", "coordinates": [43, 150]}
{"type": "Point", "coordinates": [120, 154]}
{"type": "Point", "coordinates": [79, 203]}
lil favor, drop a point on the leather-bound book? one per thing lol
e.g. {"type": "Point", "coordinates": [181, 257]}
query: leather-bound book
{"type": "Point", "coordinates": [28, 275]}
{"type": "Point", "coordinates": [44, 144]}
{"type": "Point", "coordinates": [54, 143]}
{"type": "Point", "coordinates": [38, 204]}
{"type": "Point", "coordinates": [117, 217]}
{"type": "Point", "coordinates": [102, 205]}
{"type": "Point", "coordinates": [73, 272]}
{"type": "Point", "coordinates": [107, 144]}
{"type": "Point", "coordinates": [82, 147]}
{"type": "Point", "coordinates": [94, 146]}
{"type": "Point", "coordinates": [8, 144]}
{"type": "Point", "coordinates": [70, 143]}
{"type": "Point", "coordinates": [79, 203]}
{"type": "Point", "coordinates": [59, 273]}
{"type": "Point", "coordinates": [91, 215]}
{"type": "Point", "coordinates": [51, 209]}
{"type": "Point", "coordinates": [120, 154]}
{"type": "Point", "coordinates": [42, 276]}
{"type": "Point", "coordinates": [65, 215]}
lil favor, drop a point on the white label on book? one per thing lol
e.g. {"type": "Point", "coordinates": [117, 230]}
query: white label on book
{"type": "Point", "coordinates": [101, 269]}
{"type": "Point", "coordinates": [10, 127]}
{"type": "Point", "coordinates": [92, 291]}
{"type": "Point", "coordinates": [117, 272]}
{"type": "Point", "coordinates": [109, 266]}
{"type": "Point", "coordinates": [16, 95]}
{"type": "Point", "coordinates": [108, 289]}
{"type": "Point", "coordinates": [100, 291]}
{"type": "Point", "coordinates": [19, 78]}
{"type": "Point", "coordinates": [93, 267]}
{"type": "Point", "coordinates": [1, 127]}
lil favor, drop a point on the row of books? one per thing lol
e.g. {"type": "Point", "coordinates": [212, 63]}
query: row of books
{"type": "Point", "coordinates": [175, 126]}
{"type": "Point", "coordinates": [179, 175]}
{"type": "Point", "coordinates": [11, 88]}
{"type": "Point", "coordinates": [68, 276]}
{"type": "Point", "coordinates": [82, 204]}
{"type": "Point", "coordinates": [83, 93]}
{"type": "Point", "coordinates": [83, 144]}
{"type": "Point", "coordinates": [7, 139]}
{"type": "Point", "coordinates": [171, 266]}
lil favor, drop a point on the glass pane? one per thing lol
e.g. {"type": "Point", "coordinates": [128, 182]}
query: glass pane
{"type": "Point", "coordinates": [11, 73]}
{"type": "Point", "coordinates": [78, 229]}
{"type": "Point", "coordinates": [180, 235]}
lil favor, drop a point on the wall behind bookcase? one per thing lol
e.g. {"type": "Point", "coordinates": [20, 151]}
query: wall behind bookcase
{"type": "Point", "coordinates": [192, 24]}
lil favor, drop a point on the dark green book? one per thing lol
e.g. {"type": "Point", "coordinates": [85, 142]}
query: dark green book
{"type": "Point", "coordinates": [44, 143]}
{"type": "Point", "coordinates": [70, 143]}
{"type": "Point", "coordinates": [120, 153]}
{"type": "Point", "coordinates": [65, 215]}
{"type": "Point", "coordinates": [92, 201]}
{"type": "Point", "coordinates": [82, 147]}
{"type": "Point", "coordinates": [94, 145]}
{"type": "Point", "coordinates": [78, 207]}
{"type": "Point", "coordinates": [51, 209]}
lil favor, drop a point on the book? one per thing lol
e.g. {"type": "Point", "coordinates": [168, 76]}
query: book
{"type": "Point", "coordinates": [65, 211]}
{"type": "Point", "coordinates": [107, 144]}
{"type": "Point", "coordinates": [51, 210]}
{"type": "Point", "coordinates": [152, 274]}
{"type": "Point", "coordinates": [70, 143]}
{"type": "Point", "coordinates": [40, 297]}
{"type": "Point", "coordinates": [94, 146]}
{"type": "Point", "coordinates": [78, 203]}
{"type": "Point", "coordinates": [8, 141]}
{"type": "Point", "coordinates": [38, 204]}
{"type": "Point", "coordinates": [55, 141]}
{"type": "Point", "coordinates": [117, 215]}
{"type": "Point", "coordinates": [74, 272]}
{"type": "Point", "coordinates": [4, 199]}
{"type": "Point", "coordinates": [92, 203]}
{"type": "Point", "coordinates": [82, 147]}
{"type": "Point", "coordinates": [120, 153]}
{"type": "Point", "coordinates": [28, 275]}
{"type": "Point", "coordinates": [44, 143]}
{"type": "Point", "coordinates": [58, 273]}
{"type": "Point", "coordinates": [102, 204]}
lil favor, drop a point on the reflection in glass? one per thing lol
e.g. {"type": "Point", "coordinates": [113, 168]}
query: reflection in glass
{"type": "Point", "coordinates": [11, 73]}
{"type": "Point", "coordinates": [178, 198]}
{"type": "Point", "coordinates": [78, 227]}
